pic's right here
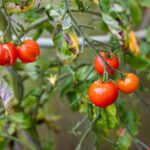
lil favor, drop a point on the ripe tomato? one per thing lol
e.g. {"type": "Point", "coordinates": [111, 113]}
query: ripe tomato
{"type": "Point", "coordinates": [110, 59]}
{"type": "Point", "coordinates": [8, 54]}
{"type": "Point", "coordinates": [28, 51]}
{"type": "Point", "coordinates": [129, 84]}
{"type": "Point", "coordinates": [103, 94]}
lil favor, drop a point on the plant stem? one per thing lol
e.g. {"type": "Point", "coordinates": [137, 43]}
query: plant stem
{"type": "Point", "coordinates": [15, 139]}
{"type": "Point", "coordinates": [48, 18]}
{"type": "Point", "coordinates": [86, 133]}
{"type": "Point", "coordinates": [78, 124]}
{"type": "Point", "coordinates": [86, 11]}
{"type": "Point", "coordinates": [10, 23]}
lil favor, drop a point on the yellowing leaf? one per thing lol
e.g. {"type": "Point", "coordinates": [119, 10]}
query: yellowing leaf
{"type": "Point", "coordinates": [133, 45]}
{"type": "Point", "coordinates": [14, 8]}
{"type": "Point", "coordinates": [75, 45]}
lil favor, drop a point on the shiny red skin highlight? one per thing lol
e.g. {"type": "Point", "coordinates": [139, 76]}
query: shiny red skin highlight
{"type": "Point", "coordinates": [103, 94]}
{"type": "Point", "coordinates": [129, 84]}
{"type": "Point", "coordinates": [28, 51]}
{"type": "Point", "coordinates": [8, 54]}
{"type": "Point", "coordinates": [110, 59]}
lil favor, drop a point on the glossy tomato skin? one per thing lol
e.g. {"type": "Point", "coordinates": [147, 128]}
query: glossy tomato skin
{"type": "Point", "coordinates": [8, 54]}
{"type": "Point", "coordinates": [103, 94]}
{"type": "Point", "coordinates": [28, 51]}
{"type": "Point", "coordinates": [110, 59]}
{"type": "Point", "coordinates": [129, 84]}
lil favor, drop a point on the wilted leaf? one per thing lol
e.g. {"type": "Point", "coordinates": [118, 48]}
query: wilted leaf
{"type": "Point", "coordinates": [6, 95]}
{"type": "Point", "coordinates": [67, 23]}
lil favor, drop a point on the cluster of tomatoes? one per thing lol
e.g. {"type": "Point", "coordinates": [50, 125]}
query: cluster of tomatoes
{"type": "Point", "coordinates": [26, 52]}
{"type": "Point", "coordinates": [104, 93]}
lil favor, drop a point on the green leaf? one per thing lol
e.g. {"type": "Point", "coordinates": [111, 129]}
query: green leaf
{"type": "Point", "coordinates": [29, 102]}
{"type": "Point", "coordinates": [132, 120]}
{"type": "Point", "coordinates": [104, 5]}
{"type": "Point", "coordinates": [66, 86]}
{"type": "Point", "coordinates": [144, 3]}
{"type": "Point", "coordinates": [148, 34]}
{"type": "Point", "coordinates": [123, 142]}
{"type": "Point", "coordinates": [74, 100]}
{"type": "Point", "coordinates": [137, 62]}
{"type": "Point", "coordinates": [112, 116]}
{"type": "Point", "coordinates": [85, 73]}
{"type": "Point", "coordinates": [22, 120]}
{"type": "Point", "coordinates": [108, 118]}
{"type": "Point", "coordinates": [80, 5]}
{"type": "Point", "coordinates": [3, 143]}
{"type": "Point", "coordinates": [144, 47]}
{"type": "Point", "coordinates": [112, 24]}
{"type": "Point", "coordinates": [135, 11]}
{"type": "Point", "coordinates": [31, 70]}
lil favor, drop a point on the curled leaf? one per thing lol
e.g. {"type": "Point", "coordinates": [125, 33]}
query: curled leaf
{"type": "Point", "coordinates": [68, 48]}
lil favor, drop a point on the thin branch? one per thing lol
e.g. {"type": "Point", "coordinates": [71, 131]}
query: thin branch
{"type": "Point", "coordinates": [86, 133]}
{"type": "Point", "coordinates": [9, 22]}
{"type": "Point", "coordinates": [86, 11]}
{"type": "Point", "coordinates": [34, 25]}
{"type": "Point", "coordinates": [15, 139]}
{"type": "Point", "coordinates": [48, 18]}
{"type": "Point", "coordinates": [78, 124]}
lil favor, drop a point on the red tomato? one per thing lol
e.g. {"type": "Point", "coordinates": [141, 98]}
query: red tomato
{"type": "Point", "coordinates": [110, 59]}
{"type": "Point", "coordinates": [8, 54]}
{"type": "Point", "coordinates": [129, 84]}
{"type": "Point", "coordinates": [103, 94]}
{"type": "Point", "coordinates": [28, 51]}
